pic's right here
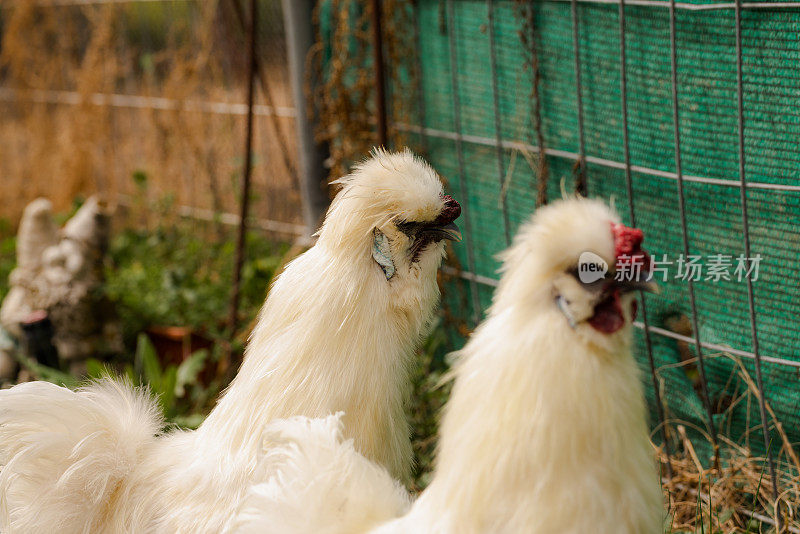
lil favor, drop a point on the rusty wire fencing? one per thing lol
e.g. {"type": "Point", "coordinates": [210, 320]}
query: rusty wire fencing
{"type": "Point", "coordinates": [145, 103]}
{"type": "Point", "coordinates": [683, 113]}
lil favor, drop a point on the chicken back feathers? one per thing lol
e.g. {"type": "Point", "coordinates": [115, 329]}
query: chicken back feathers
{"type": "Point", "coordinates": [309, 463]}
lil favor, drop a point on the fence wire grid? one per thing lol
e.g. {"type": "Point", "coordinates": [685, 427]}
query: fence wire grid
{"type": "Point", "coordinates": [683, 113]}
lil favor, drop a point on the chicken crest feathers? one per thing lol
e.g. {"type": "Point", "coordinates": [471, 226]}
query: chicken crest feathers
{"type": "Point", "coordinates": [385, 186]}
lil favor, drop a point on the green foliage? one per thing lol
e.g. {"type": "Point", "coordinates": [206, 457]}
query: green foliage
{"type": "Point", "coordinates": [175, 386]}
{"type": "Point", "coordinates": [189, 371]}
{"type": "Point", "coordinates": [140, 178]}
{"type": "Point", "coordinates": [8, 260]}
{"type": "Point", "coordinates": [173, 276]}
{"type": "Point", "coordinates": [176, 275]}
{"type": "Point", "coordinates": [43, 372]}
{"type": "Point", "coordinates": [149, 26]}
{"type": "Point", "coordinates": [153, 27]}
{"type": "Point", "coordinates": [429, 395]}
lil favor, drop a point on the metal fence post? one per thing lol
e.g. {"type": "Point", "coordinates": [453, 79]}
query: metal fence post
{"type": "Point", "coordinates": [298, 16]}
{"type": "Point", "coordinates": [420, 88]}
{"type": "Point", "coordinates": [380, 81]}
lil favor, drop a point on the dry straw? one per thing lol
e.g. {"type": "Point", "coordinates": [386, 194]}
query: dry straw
{"type": "Point", "coordinates": [181, 51]}
{"type": "Point", "coordinates": [738, 496]}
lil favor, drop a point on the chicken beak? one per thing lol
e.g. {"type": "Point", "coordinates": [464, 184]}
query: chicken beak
{"type": "Point", "coordinates": [449, 231]}
{"type": "Point", "coordinates": [639, 271]}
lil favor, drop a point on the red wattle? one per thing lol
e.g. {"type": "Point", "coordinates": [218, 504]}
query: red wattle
{"type": "Point", "coordinates": [608, 316]}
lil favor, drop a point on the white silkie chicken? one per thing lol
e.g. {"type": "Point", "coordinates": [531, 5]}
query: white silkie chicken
{"type": "Point", "coordinates": [544, 432]}
{"type": "Point", "coordinates": [337, 332]}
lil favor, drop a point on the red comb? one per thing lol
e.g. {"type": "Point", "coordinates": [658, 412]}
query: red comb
{"type": "Point", "coordinates": [450, 212]}
{"type": "Point", "coordinates": [628, 243]}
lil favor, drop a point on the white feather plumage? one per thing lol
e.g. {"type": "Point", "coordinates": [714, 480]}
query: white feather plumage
{"type": "Point", "coordinates": [299, 446]}
{"type": "Point", "coordinates": [64, 453]}
{"type": "Point", "coordinates": [545, 430]}
{"type": "Point", "coordinates": [334, 334]}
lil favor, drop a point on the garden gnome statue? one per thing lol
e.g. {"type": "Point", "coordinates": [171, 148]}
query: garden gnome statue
{"type": "Point", "coordinates": [61, 273]}
{"type": "Point", "coordinates": [37, 232]}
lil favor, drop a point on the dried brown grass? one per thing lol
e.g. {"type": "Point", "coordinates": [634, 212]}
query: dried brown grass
{"type": "Point", "coordinates": [345, 88]}
{"type": "Point", "coordinates": [723, 501]}
{"type": "Point", "coordinates": [193, 157]}
{"type": "Point", "coordinates": [738, 495]}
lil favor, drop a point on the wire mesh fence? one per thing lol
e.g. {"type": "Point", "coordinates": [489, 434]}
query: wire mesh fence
{"type": "Point", "coordinates": [684, 115]}
{"type": "Point", "coordinates": [145, 101]}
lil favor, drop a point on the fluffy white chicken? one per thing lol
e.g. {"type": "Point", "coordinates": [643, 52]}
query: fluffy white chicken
{"type": "Point", "coordinates": [337, 332]}
{"type": "Point", "coordinates": [545, 429]}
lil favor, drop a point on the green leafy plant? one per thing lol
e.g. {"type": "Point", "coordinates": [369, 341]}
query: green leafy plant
{"type": "Point", "coordinates": [429, 395]}
{"type": "Point", "coordinates": [174, 276]}
{"type": "Point", "coordinates": [8, 248]}
{"type": "Point", "coordinates": [171, 384]}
